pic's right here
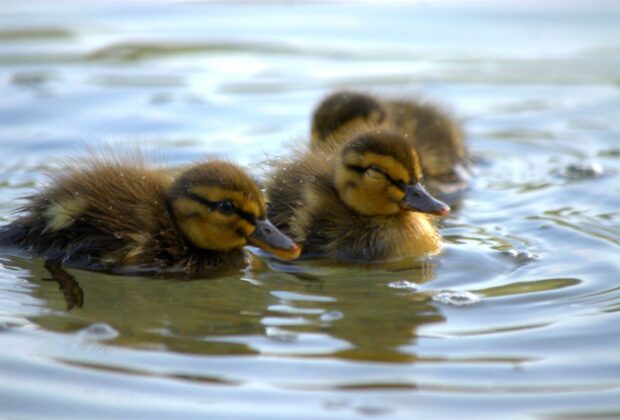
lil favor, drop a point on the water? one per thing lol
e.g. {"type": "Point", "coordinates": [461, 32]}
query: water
{"type": "Point", "coordinates": [517, 318]}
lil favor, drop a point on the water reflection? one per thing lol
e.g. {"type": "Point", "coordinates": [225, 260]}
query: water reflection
{"type": "Point", "coordinates": [365, 311]}
{"type": "Point", "coordinates": [236, 314]}
{"type": "Point", "coordinates": [536, 237]}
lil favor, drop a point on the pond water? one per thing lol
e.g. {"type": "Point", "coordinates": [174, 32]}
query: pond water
{"type": "Point", "coordinates": [518, 317]}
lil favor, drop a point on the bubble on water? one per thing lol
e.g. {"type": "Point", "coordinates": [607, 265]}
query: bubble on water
{"type": "Point", "coordinates": [278, 334]}
{"type": "Point", "coordinates": [456, 297]}
{"type": "Point", "coordinates": [99, 331]}
{"type": "Point", "coordinates": [331, 316]}
{"type": "Point", "coordinates": [522, 256]}
{"type": "Point", "coordinates": [404, 285]}
{"type": "Point", "coordinates": [336, 404]}
{"type": "Point", "coordinates": [373, 410]}
{"type": "Point", "coordinates": [583, 170]}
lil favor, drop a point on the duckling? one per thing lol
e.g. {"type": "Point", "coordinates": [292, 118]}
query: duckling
{"type": "Point", "coordinates": [342, 115]}
{"type": "Point", "coordinates": [437, 138]}
{"type": "Point", "coordinates": [362, 203]}
{"type": "Point", "coordinates": [118, 215]}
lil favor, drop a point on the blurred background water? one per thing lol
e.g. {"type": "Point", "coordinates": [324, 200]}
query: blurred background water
{"type": "Point", "coordinates": [517, 318]}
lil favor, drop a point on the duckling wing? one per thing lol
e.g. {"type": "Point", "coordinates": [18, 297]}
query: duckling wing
{"type": "Point", "coordinates": [93, 214]}
{"type": "Point", "coordinates": [288, 183]}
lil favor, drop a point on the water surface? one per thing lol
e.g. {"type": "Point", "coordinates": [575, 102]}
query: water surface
{"type": "Point", "coordinates": [517, 318]}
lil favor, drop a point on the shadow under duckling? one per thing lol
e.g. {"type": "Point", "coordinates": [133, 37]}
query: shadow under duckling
{"type": "Point", "coordinates": [362, 203]}
{"type": "Point", "coordinates": [116, 214]}
{"type": "Point", "coordinates": [437, 138]}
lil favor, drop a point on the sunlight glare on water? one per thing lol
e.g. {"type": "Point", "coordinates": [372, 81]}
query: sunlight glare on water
{"type": "Point", "coordinates": [516, 318]}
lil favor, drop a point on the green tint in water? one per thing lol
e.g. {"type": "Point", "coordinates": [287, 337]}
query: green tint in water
{"type": "Point", "coordinates": [517, 318]}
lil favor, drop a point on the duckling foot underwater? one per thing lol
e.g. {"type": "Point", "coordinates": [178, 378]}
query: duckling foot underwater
{"type": "Point", "coordinates": [115, 214]}
{"type": "Point", "coordinates": [70, 288]}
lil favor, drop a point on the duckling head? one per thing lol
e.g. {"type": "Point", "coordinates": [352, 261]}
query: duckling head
{"type": "Point", "coordinates": [378, 174]}
{"type": "Point", "coordinates": [218, 207]}
{"type": "Point", "coordinates": [342, 112]}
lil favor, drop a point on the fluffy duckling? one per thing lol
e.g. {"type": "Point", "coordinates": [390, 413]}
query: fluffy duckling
{"type": "Point", "coordinates": [437, 138]}
{"type": "Point", "coordinates": [364, 203]}
{"type": "Point", "coordinates": [117, 215]}
{"type": "Point", "coordinates": [344, 114]}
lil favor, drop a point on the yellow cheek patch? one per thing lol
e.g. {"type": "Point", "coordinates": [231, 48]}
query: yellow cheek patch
{"type": "Point", "coordinates": [209, 229]}
{"type": "Point", "coordinates": [395, 194]}
{"type": "Point", "coordinates": [391, 166]}
{"type": "Point", "coordinates": [62, 214]}
{"type": "Point", "coordinates": [246, 227]}
{"type": "Point", "coordinates": [186, 207]}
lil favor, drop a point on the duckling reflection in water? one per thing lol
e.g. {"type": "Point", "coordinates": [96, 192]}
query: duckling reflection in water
{"type": "Point", "coordinates": [363, 203]}
{"type": "Point", "coordinates": [115, 214]}
{"type": "Point", "coordinates": [437, 138]}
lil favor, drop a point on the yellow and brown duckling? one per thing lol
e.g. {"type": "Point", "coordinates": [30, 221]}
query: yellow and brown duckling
{"type": "Point", "coordinates": [436, 136]}
{"type": "Point", "coordinates": [118, 215]}
{"type": "Point", "coordinates": [342, 115]}
{"type": "Point", "coordinates": [363, 203]}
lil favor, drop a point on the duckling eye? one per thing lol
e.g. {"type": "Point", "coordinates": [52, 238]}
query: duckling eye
{"type": "Point", "coordinates": [375, 173]}
{"type": "Point", "coordinates": [379, 174]}
{"type": "Point", "coordinates": [226, 206]}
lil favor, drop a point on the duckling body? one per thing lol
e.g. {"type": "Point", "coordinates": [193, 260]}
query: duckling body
{"type": "Point", "coordinates": [115, 214]}
{"type": "Point", "coordinates": [355, 205]}
{"type": "Point", "coordinates": [436, 136]}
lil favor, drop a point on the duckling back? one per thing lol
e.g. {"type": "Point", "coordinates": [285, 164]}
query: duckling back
{"type": "Point", "coordinates": [98, 213]}
{"type": "Point", "coordinates": [287, 182]}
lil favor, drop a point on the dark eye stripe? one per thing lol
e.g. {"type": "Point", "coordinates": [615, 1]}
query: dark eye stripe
{"type": "Point", "coordinates": [213, 205]}
{"type": "Point", "coordinates": [249, 217]}
{"type": "Point", "coordinates": [361, 169]}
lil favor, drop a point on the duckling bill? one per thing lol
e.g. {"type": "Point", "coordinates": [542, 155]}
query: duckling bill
{"type": "Point", "coordinates": [121, 216]}
{"type": "Point", "coordinates": [363, 203]}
